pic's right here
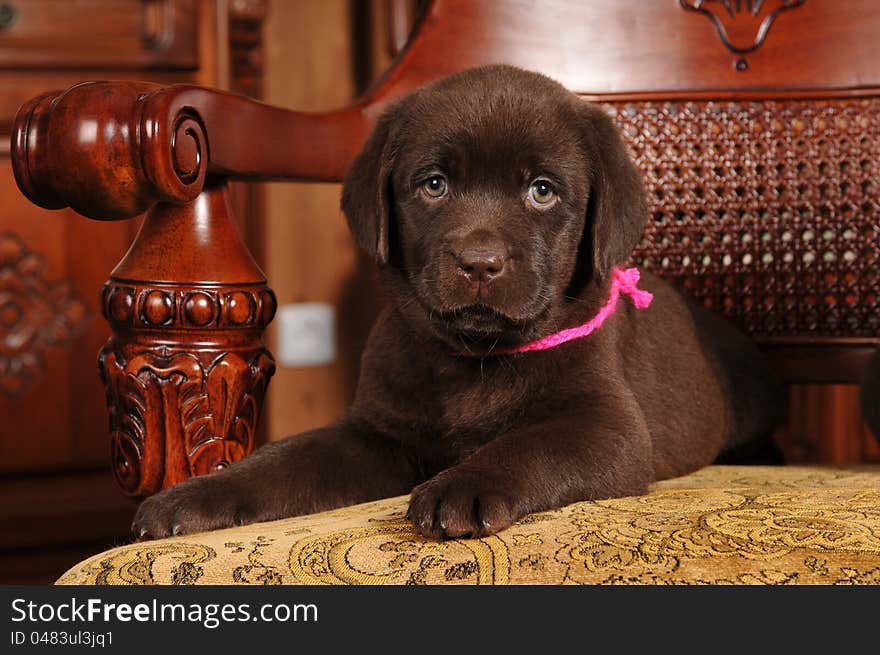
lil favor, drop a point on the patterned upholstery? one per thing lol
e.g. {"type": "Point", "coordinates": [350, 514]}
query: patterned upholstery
{"type": "Point", "coordinates": [721, 525]}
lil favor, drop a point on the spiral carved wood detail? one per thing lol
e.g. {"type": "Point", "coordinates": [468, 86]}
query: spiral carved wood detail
{"type": "Point", "coordinates": [767, 211]}
{"type": "Point", "coordinates": [155, 144]}
{"type": "Point", "coordinates": [112, 150]}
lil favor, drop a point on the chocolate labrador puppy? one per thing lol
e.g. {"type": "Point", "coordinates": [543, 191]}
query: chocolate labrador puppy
{"type": "Point", "coordinates": [498, 205]}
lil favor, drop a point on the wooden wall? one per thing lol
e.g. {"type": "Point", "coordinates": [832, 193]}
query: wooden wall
{"type": "Point", "coordinates": [320, 55]}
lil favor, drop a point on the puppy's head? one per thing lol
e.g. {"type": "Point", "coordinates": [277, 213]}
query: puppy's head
{"type": "Point", "coordinates": [493, 198]}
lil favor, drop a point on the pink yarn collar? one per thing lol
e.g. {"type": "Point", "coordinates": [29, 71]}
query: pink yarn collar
{"type": "Point", "coordinates": [623, 281]}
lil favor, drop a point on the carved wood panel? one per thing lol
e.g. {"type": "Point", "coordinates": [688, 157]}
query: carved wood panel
{"type": "Point", "coordinates": [52, 404]}
{"type": "Point", "coordinates": [35, 314]}
{"type": "Point", "coordinates": [742, 25]}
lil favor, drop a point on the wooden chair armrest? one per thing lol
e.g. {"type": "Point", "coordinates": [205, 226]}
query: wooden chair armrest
{"type": "Point", "coordinates": [186, 368]}
{"type": "Point", "coordinates": [111, 150]}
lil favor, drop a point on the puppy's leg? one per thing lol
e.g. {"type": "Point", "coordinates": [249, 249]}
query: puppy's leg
{"type": "Point", "coordinates": [330, 467]}
{"type": "Point", "coordinates": [603, 452]}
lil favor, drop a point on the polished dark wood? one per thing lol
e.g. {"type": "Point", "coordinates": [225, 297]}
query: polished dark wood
{"type": "Point", "coordinates": [246, 60]}
{"type": "Point", "coordinates": [781, 240]}
{"type": "Point", "coordinates": [117, 34]}
{"type": "Point", "coordinates": [820, 361]}
{"type": "Point", "coordinates": [186, 368]}
{"type": "Point", "coordinates": [50, 522]}
{"type": "Point", "coordinates": [53, 264]}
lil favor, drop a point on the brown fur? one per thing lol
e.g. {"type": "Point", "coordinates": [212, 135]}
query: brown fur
{"type": "Point", "coordinates": [483, 439]}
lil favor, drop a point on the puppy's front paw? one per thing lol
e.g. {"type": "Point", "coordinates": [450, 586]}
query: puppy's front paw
{"type": "Point", "coordinates": [195, 505]}
{"type": "Point", "coordinates": [458, 503]}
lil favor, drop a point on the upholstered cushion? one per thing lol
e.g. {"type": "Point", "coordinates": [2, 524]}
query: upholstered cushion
{"type": "Point", "coordinates": [724, 524]}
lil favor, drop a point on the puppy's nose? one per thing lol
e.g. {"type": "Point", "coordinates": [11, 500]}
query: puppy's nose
{"type": "Point", "coordinates": [481, 265]}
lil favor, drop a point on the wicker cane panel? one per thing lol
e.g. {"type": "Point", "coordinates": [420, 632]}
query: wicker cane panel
{"type": "Point", "coordinates": [767, 211]}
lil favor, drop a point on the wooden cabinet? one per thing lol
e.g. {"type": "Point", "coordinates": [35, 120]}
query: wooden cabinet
{"type": "Point", "coordinates": [111, 34]}
{"type": "Point", "coordinates": [57, 498]}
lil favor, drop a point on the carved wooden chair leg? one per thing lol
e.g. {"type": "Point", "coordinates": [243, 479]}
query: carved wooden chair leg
{"type": "Point", "coordinates": [186, 368]}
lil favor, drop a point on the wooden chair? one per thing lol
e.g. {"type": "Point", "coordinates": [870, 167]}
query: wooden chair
{"type": "Point", "coordinates": [756, 125]}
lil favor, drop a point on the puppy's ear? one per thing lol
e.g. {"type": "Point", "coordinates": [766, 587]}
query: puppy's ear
{"type": "Point", "coordinates": [366, 191]}
{"type": "Point", "coordinates": [617, 210]}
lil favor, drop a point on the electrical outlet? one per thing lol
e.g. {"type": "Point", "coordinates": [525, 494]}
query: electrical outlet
{"type": "Point", "coordinates": [306, 334]}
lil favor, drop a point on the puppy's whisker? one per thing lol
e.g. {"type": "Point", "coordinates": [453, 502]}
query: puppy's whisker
{"type": "Point", "coordinates": [406, 303]}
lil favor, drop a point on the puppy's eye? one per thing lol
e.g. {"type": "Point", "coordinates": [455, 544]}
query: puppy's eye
{"type": "Point", "coordinates": [541, 193]}
{"type": "Point", "coordinates": [435, 186]}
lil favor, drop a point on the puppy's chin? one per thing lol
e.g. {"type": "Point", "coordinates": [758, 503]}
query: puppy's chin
{"type": "Point", "coordinates": [469, 325]}
{"type": "Point", "coordinates": [480, 328]}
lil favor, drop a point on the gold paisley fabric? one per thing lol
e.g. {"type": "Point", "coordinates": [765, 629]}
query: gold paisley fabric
{"type": "Point", "coordinates": [720, 525]}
